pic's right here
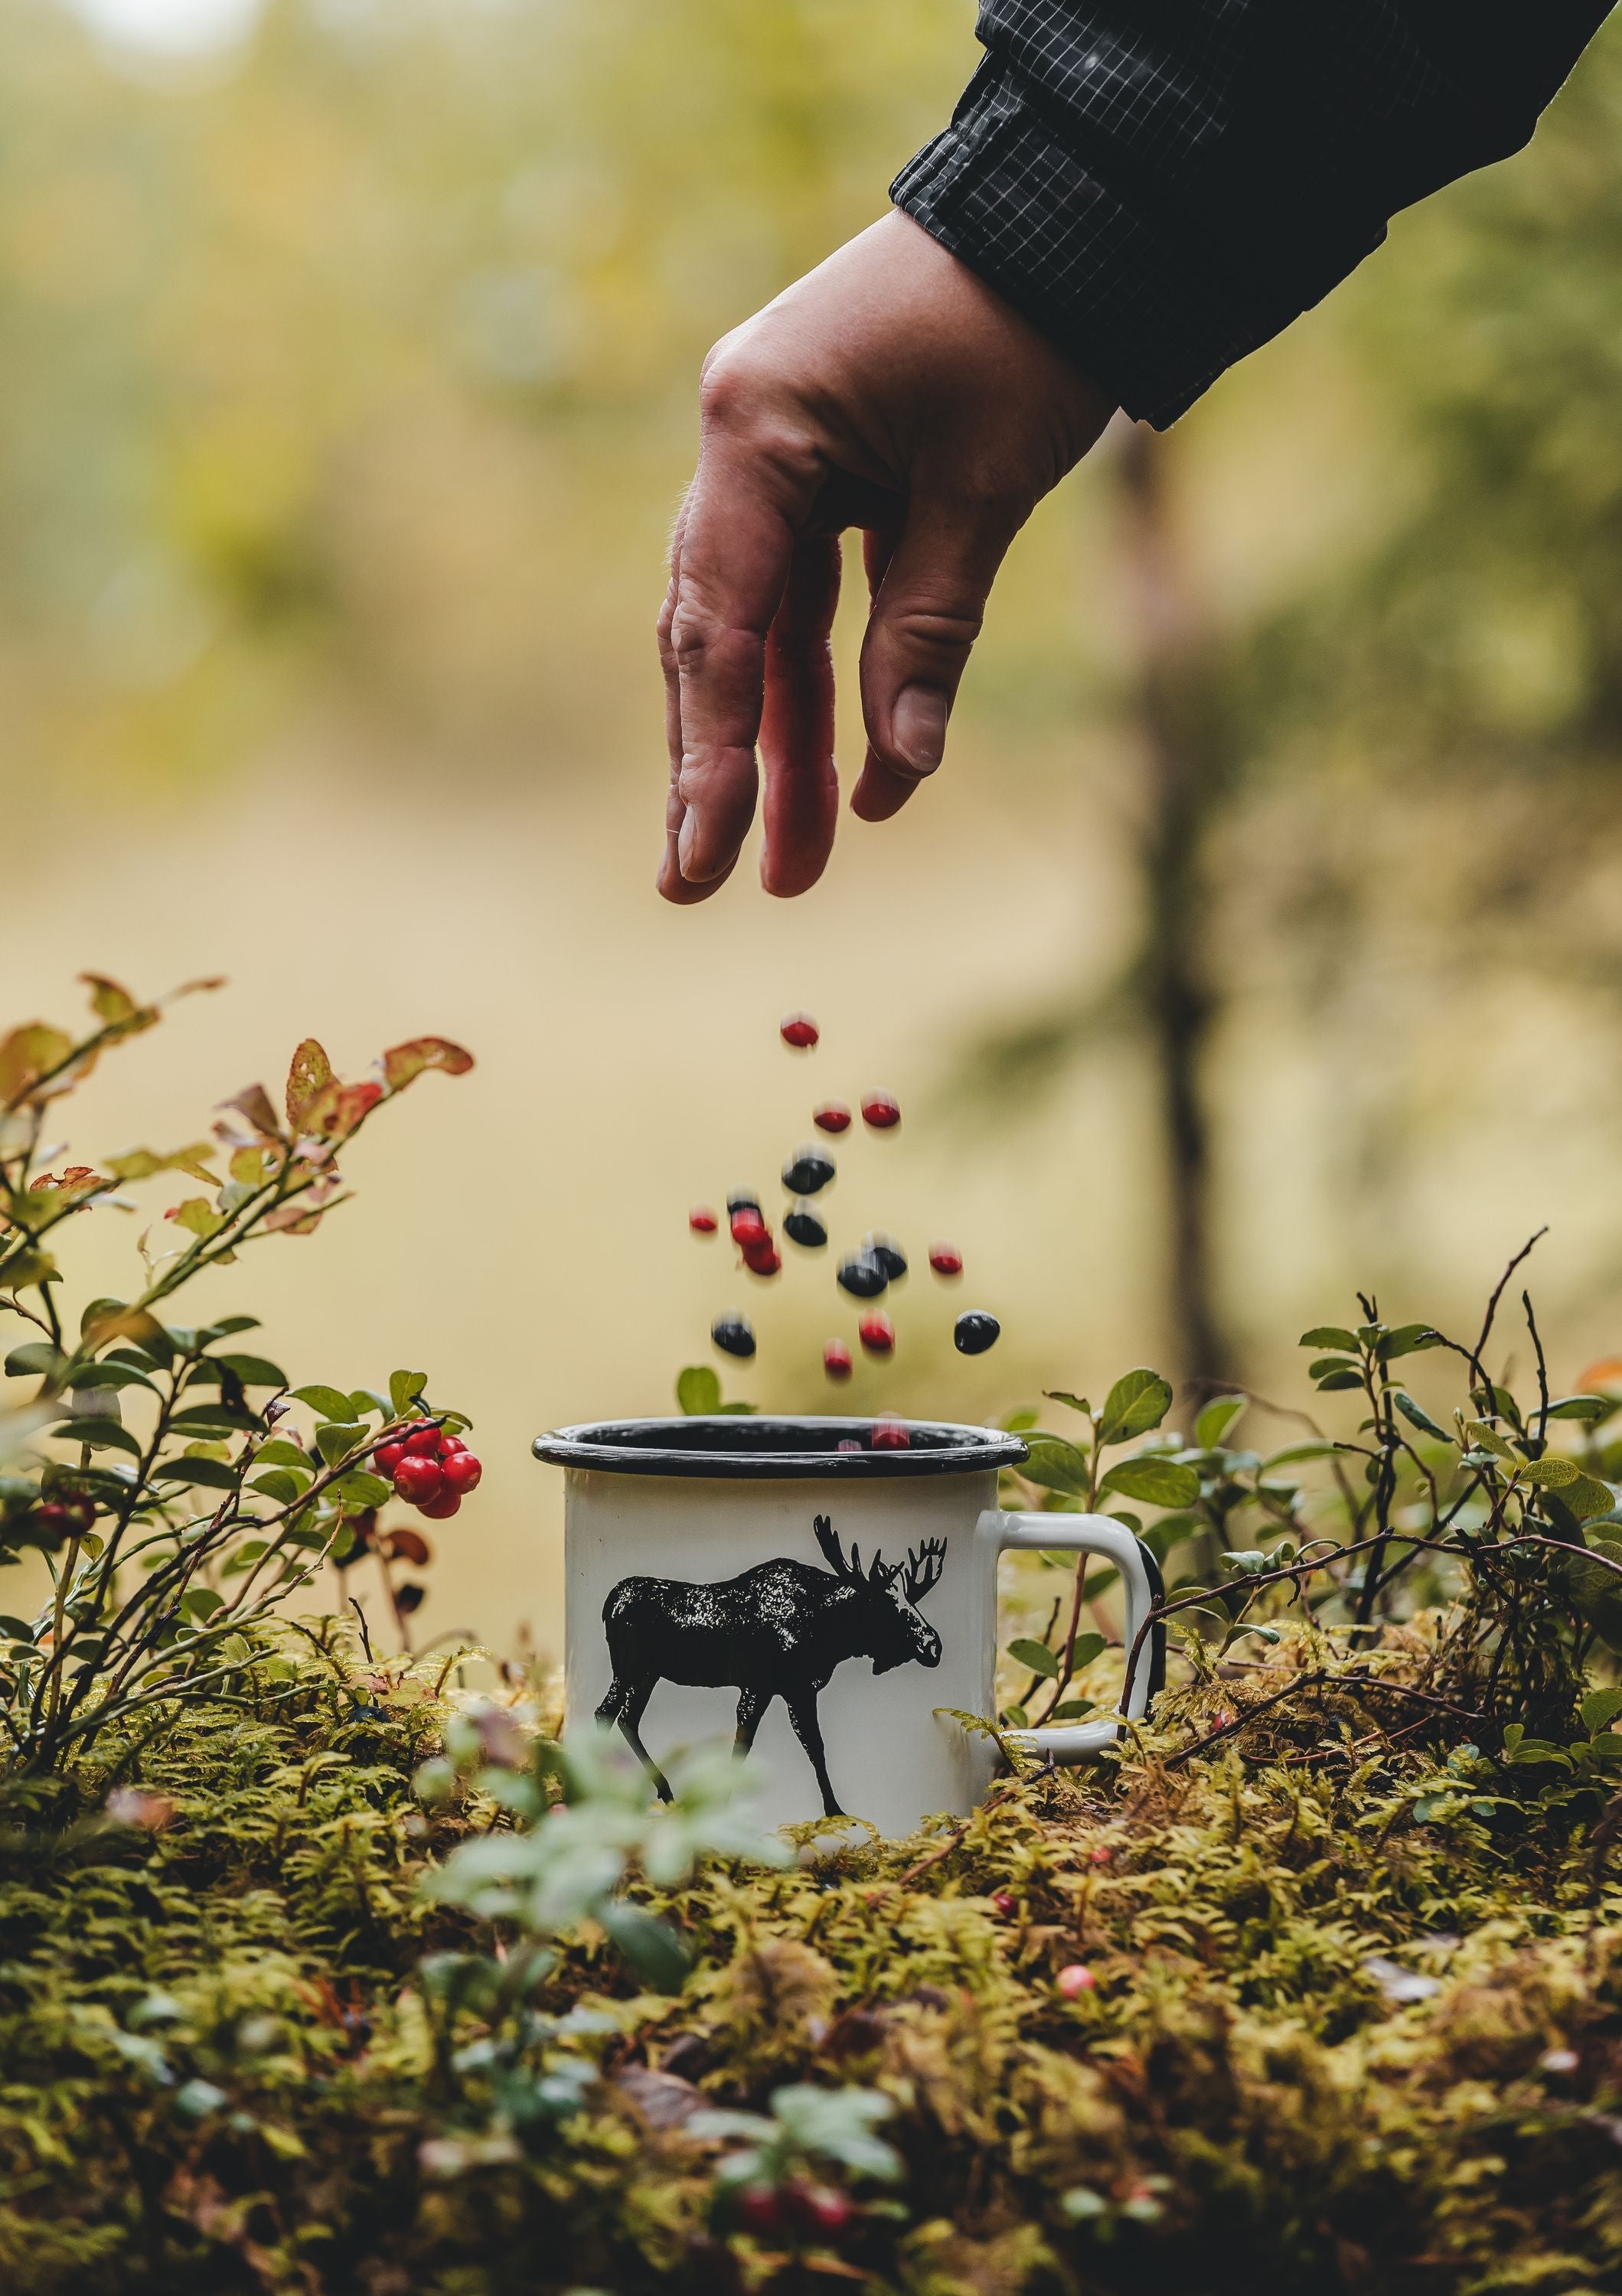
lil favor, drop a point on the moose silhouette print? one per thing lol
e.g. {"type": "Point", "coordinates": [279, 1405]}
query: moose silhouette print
{"type": "Point", "coordinates": [776, 1631]}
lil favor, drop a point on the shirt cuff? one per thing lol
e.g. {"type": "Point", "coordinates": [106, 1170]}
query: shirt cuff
{"type": "Point", "coordinates": [1003, 192]}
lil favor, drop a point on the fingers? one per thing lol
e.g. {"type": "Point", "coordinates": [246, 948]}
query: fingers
{"type": "Point", "coordinates": [802, 789]}
{"type": "Point", "coordinates": [925, 617]}
{"type": "Point", "coordinates": [735, 550]}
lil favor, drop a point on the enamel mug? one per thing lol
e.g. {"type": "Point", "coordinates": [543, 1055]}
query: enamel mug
{"type": "Point", "coordinates": [824, 1603]}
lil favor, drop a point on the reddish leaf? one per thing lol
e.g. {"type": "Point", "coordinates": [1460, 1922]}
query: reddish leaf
{"type": "Point", "coordinates": [109, 1001]}
{"type": "Point", "coordinates": [409, 1597]}
{"type": "Point", "coordinates": [293, 1219]}
{"type": "Point", "coordinates": [408, 1547]}
{"type": "Point", "coordinates": [354, 1101]}
{"type": "Point", "coordinates": [253, 1101]}
{"type": "Point", "coordinates": [403, 1063]}
{"type": "Point", "coordinates": [309, 1080]}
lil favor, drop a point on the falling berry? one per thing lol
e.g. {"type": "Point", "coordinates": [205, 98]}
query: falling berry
{"type": "Point", "coordinates": [1075, 1980]}
{"type": "Point", "coordinates": [800, 1030]}
{"type": "Point", "coordinates": [885, 1250]}
{"type": "Point", "coordinates": [832, 1116]}
{"type": "Point", "coordinates": [748, 1228]}
{"type": "Point", "coordinates": [889, 1434]}
{"type": "Point", "coordinates": [763, 1259]}
{"type": "Point", "coordinates": [701, 1220]}
{"type": "Point", "coordinates": [846, 1444]}
{"type": "Point", "coordinates": [1002, 1905]}
{"type": "Point", "coordinates": [877, 1334]}
{"type": "Point", "coordinates": [879, 1110]}
{"type": "Point", "coordinates": [807, 1172]}
{"type": "Point", "coordinates": [461, 1471]}
{"type": "Point", "coordinates": [945, 1259]}
{"type": "Point", "coordinates": [802, 1227]}
{"type": "Point", "coordinates": [734, 1335]}
{"type": "Point", "coordinates": [741, 1199]}
{"type": "Point", "coordinates": [974, 1332]}
{"type": "Point", "coordinates": [418, 1480]}
{"type": "Point", "coordinates": [862, 1276]}
{"type": "Point", "coordinates": [837, 1359]}
{"type": "Point", "coordinates": [440, 1510]}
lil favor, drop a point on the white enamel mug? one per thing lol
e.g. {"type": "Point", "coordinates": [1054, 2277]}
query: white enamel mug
{"type": "Point", "coordinates": [747, 1575]}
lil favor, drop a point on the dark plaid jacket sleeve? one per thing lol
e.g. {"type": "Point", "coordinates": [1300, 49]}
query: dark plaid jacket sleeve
{"type": "Point", "coordinates": [1163, 185]}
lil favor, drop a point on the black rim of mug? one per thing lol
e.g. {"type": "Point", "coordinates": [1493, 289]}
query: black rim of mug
{"type": "Point", "coordinates": [757, 1447]}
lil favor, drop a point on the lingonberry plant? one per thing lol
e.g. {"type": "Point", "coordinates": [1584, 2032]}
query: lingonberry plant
{"type": "Point", "coordinates": [1511, 1546]}
{"type": "Point", "coordinates": [176, 1488]}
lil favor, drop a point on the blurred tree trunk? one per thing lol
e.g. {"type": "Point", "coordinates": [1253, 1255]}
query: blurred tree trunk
{"type": "Point", "coordinates": [1178, 721]}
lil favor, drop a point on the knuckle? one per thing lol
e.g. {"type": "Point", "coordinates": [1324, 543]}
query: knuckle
{"type": "Point", "coordinates": [937, 630]}
{"type": "Point", "coordinates": [731, 390]}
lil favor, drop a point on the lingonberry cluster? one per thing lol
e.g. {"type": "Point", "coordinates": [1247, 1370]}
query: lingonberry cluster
{"type": "Point", "coordinates": [864, 1275]}
{"type": "Point", "coordinates": [796, 2209]}
{"type": "Point", "coordinates": [430, 1470]}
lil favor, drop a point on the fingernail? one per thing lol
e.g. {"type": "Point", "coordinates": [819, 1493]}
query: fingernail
{"type": "Point", "coordinates": [919, 726]}
{"type": "Point", "coordinates": [686, 842]}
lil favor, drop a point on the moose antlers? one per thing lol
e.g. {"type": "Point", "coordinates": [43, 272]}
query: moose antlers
{"type": "Point", "coordinates": [922, 1568]}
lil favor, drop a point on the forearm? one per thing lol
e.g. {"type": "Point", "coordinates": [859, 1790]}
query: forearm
{"type": "Point", "coordinates": [1161, 186]}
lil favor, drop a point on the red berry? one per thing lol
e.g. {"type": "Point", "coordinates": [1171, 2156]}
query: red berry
{"type": "Point", "coordinates": [800, 1030]}
{"type": "Point", "coordinates": [1100, 1856]}
{"type": "Point", "coordinates": [461, 1471]}
{"type": "Point", "coordinates": [759, 2209]}
{"type": "Point", "coordinates": [1002, 1905]}
{"type": "Point", "coordinates": [418, 1480]}
{"type": "Point", "coordinates": [449, 1445]}
{"type": "Point", "coordinates": [832, 1116]}
{"type": "Point", "coordinates": [748, 1227]}
{"type": "Point", "coordinates": [877, 1334]}
{"type": "Point", "coordinates": [701, 1220]}
{"type": "Point", "coordinates": [945, 1259]}
{"type": "Point", "coordinates": [889, 1434]}
{"type": "Point", "coordinates": [387, 1457]}
{"type": "Point", "coordinates": [837, 1359]}
{"type": "Point", "coordinates": [441, 1509]}
{"type": "Point", "coordinates": [829, 2212]}
{"type": "Point", "coordinates": [1075, 1981]}
{"type": "Point", "coordinates": [881, 1111]}
{"type": "Point", "coordinates": [763, 1259]}
{"type": "Point", "coordinates": [424, 1444]}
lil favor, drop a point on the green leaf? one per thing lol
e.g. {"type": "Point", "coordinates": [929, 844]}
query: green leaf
{"type": "Point", "coordinates": [1551, 1474]}
{"type": "Point", "coordinates": [698, 1390]}
{"type": "Point", "coordinates": [37, 1358]}
{"type": "Point", "coordinates": [216, 1419]}
{"type": "Point", "coordinates": [1061, 1395]}
{"type": "Point", "coordinates": [1335, 1382]}
{"type": "Point", "coordinates": [1159, 1482]}
{"type": "Point", "coordinates": [277, 1484]}
{"type": "Point", "coordinates": [652, 1949]}
{"type": "Point", "coordinates": [1215, 1421]}
{"type": "Point", "coordinates": [1036, 1656]}
{"type": "Point", "coordinates": [360, 1489]}
{"type": "Point", "coordinates": [101, 1377]}
{"type": "Point", "coordinates": [1486, 1437]}
{"type": "Point", "coordinates": [335, 1443]}
{"type": "Point", "coordinates": [281, 1453]}
{"type": "Point", "coordinates": [1597, 1708]}
{"type": "Point", "coordinates": [215, 1472]}
{"type": "Point", "coordinates": [1408, 1339]}
{"type": "Point", "coordinates": [735, 1410]}
{"type": "Point", "coordinates": [1056, 1465]}
{"type": "Point", "coordinates": [253, 1371]}
{"type": "Point", "coordinates": [1071, 1709]}
{"type": "Point", "coordinates": [1293, 1452]}
{"type": "Point", "coordinates": [1170, 1531]}
{"type": "Point", "coordinates": [1587, 1497]}
{"type": "Point", "coordinates": [1016, 1718]}
{"type": "Point", "coordinates": [1326, 1364]}
{"type": "Point", "coordinates": [1015, 1423]}
{"type": "Point", "coordinates": [404, 1388]}
{"type": "Point", "coordinates": [1416, 1417]}
{"type": "Point", "coordinates": [365, 1400]}
{"type": "Point", "coordinates": [101, 1434]}
{"type": "Point", "coordinates": [1588, 1409]}
{"type": "Point", "coordinates": [201, 1603]}
{"type": "Point", "coordinates": [1139, 1400]}
{"type": "Point", "coordinates": [327, 1401]}
{"type": "Point", "coordinates": [1087, 1648]}
{"type": "Point", "coordinates": [1330, 1335]}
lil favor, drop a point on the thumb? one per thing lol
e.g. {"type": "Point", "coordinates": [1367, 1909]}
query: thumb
{"type": "Point", "coordinates": [926, 615]}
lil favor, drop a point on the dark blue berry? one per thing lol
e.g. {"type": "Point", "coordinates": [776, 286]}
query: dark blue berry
{"type": "Point", "coordinates": [882, 1247]}
{"type": "Point", "coordinates": [807, 1171]}
{"type": "Point", "coordinates": [734, 1335]}
{"type": "Point", "coordinates": [862, 1276]}
{"type": "Point", "coordinates": [742, 1200]}
{"type": "Point", "coordinates": [973, 1333]}
{"type": "Point", "coordinates": [802, 1225]}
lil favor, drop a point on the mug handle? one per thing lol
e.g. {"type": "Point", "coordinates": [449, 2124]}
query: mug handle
{"type": "Point", "coordinates": [1113, 1542]}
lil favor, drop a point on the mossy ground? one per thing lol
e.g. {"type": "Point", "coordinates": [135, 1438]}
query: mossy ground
{"type": "Point", "coordinates": [219, 2073]}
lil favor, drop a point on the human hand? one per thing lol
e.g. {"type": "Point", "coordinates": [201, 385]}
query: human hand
{"type": "Point", "coordinates": [890, 390]}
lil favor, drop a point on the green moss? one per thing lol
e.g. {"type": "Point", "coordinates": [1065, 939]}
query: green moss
{"type": "Point", "coordinates": [219, 2071]}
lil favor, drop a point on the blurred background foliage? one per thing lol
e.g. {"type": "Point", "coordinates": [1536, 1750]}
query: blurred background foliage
{"type": "Point", "coordinates": [1263, 934]}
